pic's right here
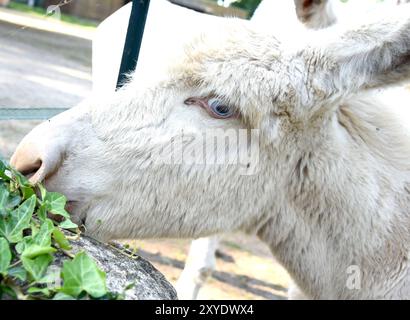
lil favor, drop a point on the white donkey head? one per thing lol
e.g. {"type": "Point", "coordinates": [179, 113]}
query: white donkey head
{"type": "Point", "coordinates": [230, 76]}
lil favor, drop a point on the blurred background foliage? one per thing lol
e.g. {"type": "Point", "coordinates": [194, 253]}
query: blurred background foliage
{"type": "Point", "coordinates": [251, 5]}
{"type": "Point", "coordinates": [248, 5]}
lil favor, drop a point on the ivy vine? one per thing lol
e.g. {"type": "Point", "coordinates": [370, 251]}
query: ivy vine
{"type": "Point", "coordinates": [29, 241]}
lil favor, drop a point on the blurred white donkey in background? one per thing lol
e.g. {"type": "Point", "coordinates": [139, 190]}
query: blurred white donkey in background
{"type": "Point", "coordinates": [286, 17]}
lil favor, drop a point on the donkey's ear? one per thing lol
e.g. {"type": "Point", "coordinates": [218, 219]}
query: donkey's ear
{"type": "Point", "coordinates": [315, 14]}
{"type": "Point", "coordinates": [371, 55]}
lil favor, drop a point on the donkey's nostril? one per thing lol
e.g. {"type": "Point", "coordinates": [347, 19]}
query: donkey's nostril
{"type": "Point", "coordinates": [30, 169]}
{"type": "Point", "coordinates": [28, 160]}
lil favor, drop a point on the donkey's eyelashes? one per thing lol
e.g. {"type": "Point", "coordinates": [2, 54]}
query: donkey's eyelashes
{"type": "Point", "coordinates": [215, 107]}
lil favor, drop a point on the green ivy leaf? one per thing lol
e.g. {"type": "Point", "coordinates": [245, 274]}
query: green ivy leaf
{"type": "Point", "coordinates": [43, 191]}
{"type": "Point", "coordinates": [68, 224]}
{"type": "Point", "coordinates": [83, 275]}
{"type": "Point", "coordinates": [27, 192]}
{"type": "Point", "coordinates": [5, 256]}
{"type": "Point", "coordinates": [56, 204]}
{"type": "Point", "coordinates": [12, 226]}
{"type": "Point", "coordinates": [38, 266]}
{"type": "Point", "coordinates": [22, 245]}
{"type": "Point", "coordinates": [61, 239]}
{"type": "Point", "coordinates": [43, 237]}
{"type": "Point", "coordinates": [21, 180]}
{"type": "Point", "coordinates": [34, 230]}
{"type": "Point", "coordinates": [37, 290]}
{"type": "Point", "coordinates": [4, 195]}
{"type": "Point", "coordinates": [5, 290]}
{"type": "Point", "coordinates": [63, 296]}
{"type": "Point", "coordinates": [8, 200]}
{"type": "Point", "coordinates": [39, 242]}
{"type": "Point", "coordinates": [13, 201]}
{"type": "Point", "coordinates": [18, 273]}
{"type": "Point", "coordinates": [42, 212]}
{"type": "Point", "coordinates": [3, 169]}
{"type": "Point", "coordinates": [36, 250]}
{"type": "Point", "coordinates": [27, 236]}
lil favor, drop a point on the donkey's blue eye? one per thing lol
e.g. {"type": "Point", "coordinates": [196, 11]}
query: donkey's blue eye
{"type": "Point", "coordinates": [219, 109]}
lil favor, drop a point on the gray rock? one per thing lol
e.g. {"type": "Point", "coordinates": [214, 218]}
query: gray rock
{"type": "Point", "coordinates": [123, 268]}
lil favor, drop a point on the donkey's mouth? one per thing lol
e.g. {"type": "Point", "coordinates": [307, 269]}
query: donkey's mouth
{"type": "Point", "coordinates": [70, 206]}
{"type": "Point", "coordinates": [77, 211]}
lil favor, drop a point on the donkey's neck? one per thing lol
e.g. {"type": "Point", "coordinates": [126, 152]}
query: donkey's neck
{"type": "Point", "coordinates": [346, 258]}
{"type": "Point", "coordinates": [344, 229]}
